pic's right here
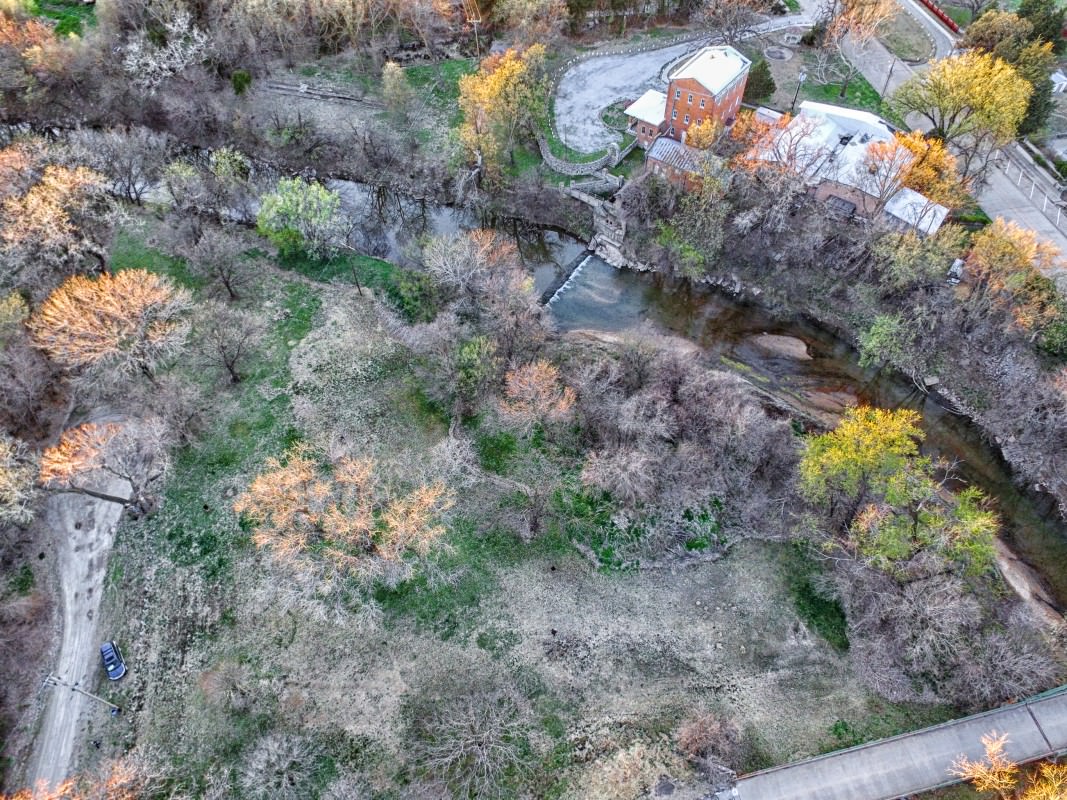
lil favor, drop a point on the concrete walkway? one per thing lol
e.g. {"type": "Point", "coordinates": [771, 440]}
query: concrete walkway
{"type": "Point", "coordinates": [915, 762]}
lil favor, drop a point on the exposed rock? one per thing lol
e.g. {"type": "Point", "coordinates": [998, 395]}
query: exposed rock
{"type": "Point", "coordinates": [785, 346]}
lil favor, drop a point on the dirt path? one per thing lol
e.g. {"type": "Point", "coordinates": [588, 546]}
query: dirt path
{"type": "Point", "coordinates": [84, 529]}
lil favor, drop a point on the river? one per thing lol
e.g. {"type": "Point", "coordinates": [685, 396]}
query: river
{"type": "Point", "coordinates": [740, 337]}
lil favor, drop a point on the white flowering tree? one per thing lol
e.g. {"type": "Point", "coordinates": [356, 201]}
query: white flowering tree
{"type": "Point", "coordinates": [149, 64]}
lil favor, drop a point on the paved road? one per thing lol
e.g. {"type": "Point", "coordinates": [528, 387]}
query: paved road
{"type": "Point", "coordinates": [1005, 194]}
{"type": "Point", "coordinates": [914, 762]}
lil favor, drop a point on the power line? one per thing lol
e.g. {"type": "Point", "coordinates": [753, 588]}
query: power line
{"type": "Point", "coordinates": [57, 682]}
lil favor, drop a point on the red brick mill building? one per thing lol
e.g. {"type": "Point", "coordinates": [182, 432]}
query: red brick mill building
{"type": "Point", "coordinates": [705, 86]}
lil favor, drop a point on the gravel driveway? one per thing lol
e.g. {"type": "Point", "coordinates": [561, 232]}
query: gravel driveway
{"type": "Point", "coordinates": [590, 86]}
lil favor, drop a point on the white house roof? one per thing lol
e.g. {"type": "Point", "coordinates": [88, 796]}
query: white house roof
{"type": "Point", "coordinates": [848, 120]}
{"type": "Point", "coordinates": [916, 210]}
{"type": "Point", "coordinates": [714, 68]}
{"type": "Point", "coordinates": [649, 107]}
{"type": "Point", "coordinates": [829, 143]}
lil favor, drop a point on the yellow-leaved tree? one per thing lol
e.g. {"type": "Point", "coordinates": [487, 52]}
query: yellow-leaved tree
{"type": "Point", "coordinates": [883, 500]}
{"type": "Point", "coordinates": [704, 134]}
{"type": "Point", "coordinates": [1009, 267]}
{"type": "Point", "coordinates": [505, 96]}
{"type": "Point", "coordinates": [973, 101]}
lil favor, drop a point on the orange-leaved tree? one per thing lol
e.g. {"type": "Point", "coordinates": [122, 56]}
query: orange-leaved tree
{"type": "Point", "coordinates": [535, 393]}
{"type": "Point", "coordinates": [126, 323]}
{"type": "Point", "coordinates": [994, 772]}
{"type": "Point", "coordinates": [301, 508]}
{"type": "Point", "coordinates": [52, 222]}
{"type": "Point", "coordinates": [131, 777]}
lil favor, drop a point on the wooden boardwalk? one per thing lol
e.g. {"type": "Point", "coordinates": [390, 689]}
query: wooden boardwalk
{"type": "Point", "coordinates": [895, 768]}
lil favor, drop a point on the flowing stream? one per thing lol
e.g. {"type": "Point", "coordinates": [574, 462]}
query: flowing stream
{"type": "Point", "coordinates": [796, 361]}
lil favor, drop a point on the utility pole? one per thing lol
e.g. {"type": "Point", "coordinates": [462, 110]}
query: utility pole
{"type": "Point", "coordinates": [474, 18]}
{"type": "Point", "coordinates": [56, 681]}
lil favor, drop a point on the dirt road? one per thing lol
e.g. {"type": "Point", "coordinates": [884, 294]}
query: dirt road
{"type": "Point", "coordinates": [84, 529]}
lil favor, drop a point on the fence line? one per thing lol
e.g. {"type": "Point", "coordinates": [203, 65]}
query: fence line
{"type": "Point", "coordinates": [1005, 163]}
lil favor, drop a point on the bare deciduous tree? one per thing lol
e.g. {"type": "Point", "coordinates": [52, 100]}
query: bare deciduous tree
{"type": "Point", "coordinates": [229, 337]}
{"type": "Point", "coordinates": [135, 452]}
{"type": "Point", "coordinates": [471, 740]}
{"type": "Point", "coordinates": [18, 473]}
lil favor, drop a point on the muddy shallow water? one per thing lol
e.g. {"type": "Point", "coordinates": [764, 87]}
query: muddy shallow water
{"type": "Point", "coordinates": [811, 368]}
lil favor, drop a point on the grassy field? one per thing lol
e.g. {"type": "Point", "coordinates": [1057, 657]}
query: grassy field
{"type": "Point", "coordinates": [597, 659]}
{"type": "Point", "coordinates": [906, 39]}
{"type": "Point", "coordinates": [438, 85]}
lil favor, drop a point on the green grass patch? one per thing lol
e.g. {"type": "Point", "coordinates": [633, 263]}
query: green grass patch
{"type": "Point", "coordinates": [413, 294]}
{"type": "Point", "coordinates": [450, 608]}
{"type": "Point", "coordinates": [632, 164]}
{"type": "Point", "coordinates": [962, 17]}
{"type": "Point", "coordinates": [860, 94]}
{"type": "Point", "coordinates": [195, 525]}
{"type": "Point", "coordinates": [496, 450]}
{"type": "Point", "coordinates": [792, 5]}
{"type": "Point", "coordinates": [131, 252]}
{"type": "Point", "coordinates": [71, 16]}
{"type": "Point", "coordinates": [22, 581]}
{"type": "Point", "coordinates": [586, 517]}
{"type": "Point", "coordinates": [350, 75]}
{"type": "Point", "coordinates": [882, 720]}
{"type": "Point", "coordinates": [438, 85]}
{"type": "Point", "coordinates": [905, 38]}
{"type": "Point", "coordinates": [613, 117]}
{"type": "Point", "coordinates": [823, 615]}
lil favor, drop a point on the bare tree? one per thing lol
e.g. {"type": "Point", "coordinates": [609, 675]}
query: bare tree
{"type": "Point", "coordinates": [280, 766]}
{"type": "Point", "coordinates": [18, 471]}
{"type": "Point", "coordinates": [471, 740]}
{"type": "Point", "coordinates": [220, 256]}
{"type": "Point", "coordinates": [135, 452]}
{"type": "Point", "coordinates": [229, 337]}
{"type": "Point", "coordinates": [28, 380]}
{"type": "Point", "coordinates": [736, 20]}
{"type": "Point", "coordinates": [133, 159]}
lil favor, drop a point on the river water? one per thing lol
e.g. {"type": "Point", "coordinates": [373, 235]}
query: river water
{"type": "Point", "coordinates": [731, 335]}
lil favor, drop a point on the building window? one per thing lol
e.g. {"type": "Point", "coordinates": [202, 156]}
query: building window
{"type": "Point", "coordinates": [677, 93]}
{"type": "Point", "coordinates": [686, 119]}
{"type": "Point", "coordinates": [700, 122]}
{"type": "Point", "coordinates": [701, 102]}
{"type": "Point", "coordinates": [690, 99]}
{"type": "Point", "coordinates": [642, 129]}
{"type": "Point", "coordinates": [674, 114]}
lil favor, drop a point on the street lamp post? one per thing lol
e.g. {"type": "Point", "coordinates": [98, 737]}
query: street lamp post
{"type": "Point", "coordinates": [885, 88]}
{"type": "Point", "coordinates": [802, 77]}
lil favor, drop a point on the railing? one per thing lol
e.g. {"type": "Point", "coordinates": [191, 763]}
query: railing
{"type": "Point", "coordinates": [942, 17]}
{"type": "Point", "coordinates": [1047, 199]}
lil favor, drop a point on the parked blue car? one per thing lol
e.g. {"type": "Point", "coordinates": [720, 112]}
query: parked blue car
{"type": "Point", "coordinates": [113, 663]}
